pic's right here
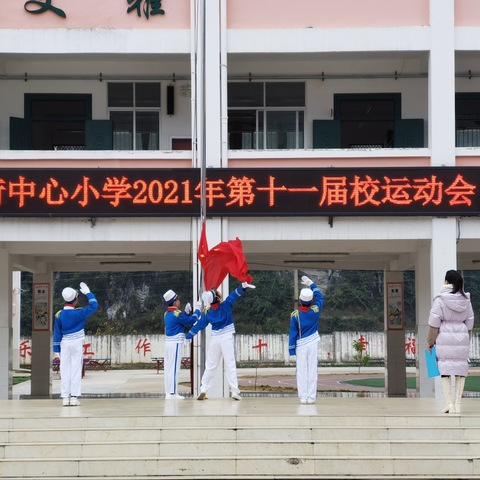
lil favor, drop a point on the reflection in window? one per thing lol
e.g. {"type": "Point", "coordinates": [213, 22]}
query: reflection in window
{"type": "Point", "coordinates": [135, 114]}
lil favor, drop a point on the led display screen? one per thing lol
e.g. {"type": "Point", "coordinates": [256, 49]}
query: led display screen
{"type": "Point", "coordinates": [436, 191]}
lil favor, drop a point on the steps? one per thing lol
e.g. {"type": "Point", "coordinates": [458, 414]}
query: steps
{"type": "Point", "coordinates": [255, 438]}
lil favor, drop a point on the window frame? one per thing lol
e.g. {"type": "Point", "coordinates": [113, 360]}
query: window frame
{"type": "Point", "coordinates": [261, 133]}
{"type": "Point", "coordinates": [134, 110]}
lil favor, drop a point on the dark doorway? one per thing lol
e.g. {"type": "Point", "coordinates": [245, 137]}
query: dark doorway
{"type": "Point", "coordinates": [57, 120]}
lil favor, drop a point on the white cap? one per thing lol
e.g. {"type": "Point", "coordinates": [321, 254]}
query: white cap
{"type": "Point", "coordinates": [69, 294]}
{"type": "Point", "coordinates": [170, 297]}
{"type": "Point", "coordinates": [306, 296]}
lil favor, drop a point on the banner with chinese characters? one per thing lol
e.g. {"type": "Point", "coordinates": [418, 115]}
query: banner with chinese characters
{"type": "Point", "coordinates": [436, 191]}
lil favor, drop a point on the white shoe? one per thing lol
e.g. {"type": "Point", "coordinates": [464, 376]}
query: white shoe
{"type": "Point", "coordinates": [66, 402]}
{"type": "Point", "coordinates": [303, 401]}
{"type": "Point", "coordinates": [173, 396]}
{"type": "Point", "coordinates": [202, 396]}
{"type": "Point", "coordinates": [310, 401]}
{"type": "Point", "coordinates": [236, 396]}
{"type": "Point", "coordinates": [74, 402]}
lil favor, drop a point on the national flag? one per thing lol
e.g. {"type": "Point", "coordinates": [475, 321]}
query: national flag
{"type": "Point", "coordinates": [223, 259]}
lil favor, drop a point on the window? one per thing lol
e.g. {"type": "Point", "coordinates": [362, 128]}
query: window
{"type": "Point", "coordinates": [135, 113]}
{"type": "Point", "coordinates": [266, 115]}
{"type": "Point", "coordinates": [467, 117]}
{"type": "Point", "coordinates": [367, 121]}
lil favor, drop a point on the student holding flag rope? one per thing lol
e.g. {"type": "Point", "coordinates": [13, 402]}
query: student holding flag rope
{"type": "Point", "coordinates": [222, 342]}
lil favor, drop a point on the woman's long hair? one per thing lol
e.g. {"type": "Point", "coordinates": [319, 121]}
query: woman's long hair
{"type": "Point", "coordinates": [456, 280]}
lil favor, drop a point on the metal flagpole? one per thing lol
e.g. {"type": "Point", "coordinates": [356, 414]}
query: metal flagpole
{"type": "Point", "coordinates": [199, 129]}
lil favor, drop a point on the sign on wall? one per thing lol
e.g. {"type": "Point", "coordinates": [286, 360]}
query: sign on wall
{"type": "Point", "coordinates": [395, 310]}
{"type": "Point", "coordinates": [41, 306]}
{"type": "Point", "coordinates": [240, 192]}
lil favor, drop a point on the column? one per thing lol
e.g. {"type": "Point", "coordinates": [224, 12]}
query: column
{"type": "Point", "coordinates": [16, 307]}
{"type": "Point", "coordinates": [5, 326]}
{"type": "Point", "coordinates": [42, 352]}
{"type": "Point", "coordinates": [395, 361]}
{"type": "Point", "coordinates": [430, 275]}
{"type": "Point", "coordinates": [441, 83]}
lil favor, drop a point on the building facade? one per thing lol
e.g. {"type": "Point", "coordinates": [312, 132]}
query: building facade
{"type": "Point", "coordinates": [326, 134]}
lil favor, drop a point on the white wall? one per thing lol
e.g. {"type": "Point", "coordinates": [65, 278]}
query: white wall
{"type": "Point", "coordinates": [335, 348]}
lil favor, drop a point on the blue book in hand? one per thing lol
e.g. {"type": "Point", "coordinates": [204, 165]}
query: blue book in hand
{"type": "Point", "coordinates": [432, 366]}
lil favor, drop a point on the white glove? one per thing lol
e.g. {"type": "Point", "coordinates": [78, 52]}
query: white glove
{"type": "Point", "coordinates": [206, 298]}
{"type": "Point", "coordinates": [198, 305]}
{"type": "Point", "coordinates": [306, 281]}
{"type": "Point", "coordinates": [188, 308]}
{"type": "Point", "coordinates": [84, 289]}
{"type": "Point", "coordinates": [246, 285]}
{"type": "Point", "coordinates": [57, 355]}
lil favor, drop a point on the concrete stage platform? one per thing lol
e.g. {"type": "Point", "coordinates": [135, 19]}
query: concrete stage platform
{"type": "Point", "coordinates": [103, 390]}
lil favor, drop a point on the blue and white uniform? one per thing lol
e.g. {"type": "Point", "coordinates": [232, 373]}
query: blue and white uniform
{"type": "Point", "coordinates": [303, 342]}
{"type": "Point", "coordinates": [176, 323]}
{"type": "Point", "coordinates": [222, 341]}
{"type": "Point", "coordinates": [68, 337]}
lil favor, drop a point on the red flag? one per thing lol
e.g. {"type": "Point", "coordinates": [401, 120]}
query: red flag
{"type": "Point", "coordinates": [226, 258]}
{"type": "Point", "coordinates": [203, 244]}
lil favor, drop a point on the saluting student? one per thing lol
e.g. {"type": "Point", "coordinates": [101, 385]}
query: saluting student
{"type": "Point", "coordinates": [68, 337]}
{"type": "Point", "coordinates": [304, 338]}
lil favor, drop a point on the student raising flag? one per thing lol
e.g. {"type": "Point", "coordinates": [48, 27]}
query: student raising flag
{"type": "Point", "coordinates": [223, 259]}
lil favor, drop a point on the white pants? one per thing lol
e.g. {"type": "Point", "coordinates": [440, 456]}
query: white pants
{"type": "Point", "coordinates": [71, 365]}
{"type": "Point", "coordinates": [221, 346]}
{"type": "Point", "coordinates": [171, 366]}
{"type": "Point", "coordinates": [307, 371]}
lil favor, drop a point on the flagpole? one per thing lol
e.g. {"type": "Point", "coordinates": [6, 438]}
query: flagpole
{"type": "Point", "coordinates": [201, 151]}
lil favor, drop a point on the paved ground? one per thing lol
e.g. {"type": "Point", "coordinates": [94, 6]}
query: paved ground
{"type": "Point", "coordinates": [149, 383]}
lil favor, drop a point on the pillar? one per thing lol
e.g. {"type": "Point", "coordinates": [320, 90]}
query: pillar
{"type": "Point", "coordinates": [432, 264]}
{"type": "Point", "coordinates": [6, 332]}
{"type": "Point", "coordinates": [41, 385]}
{"type": "Point", "coordinates": [395, 361]}
{"type": "Point", "coordinates": [441, 83]}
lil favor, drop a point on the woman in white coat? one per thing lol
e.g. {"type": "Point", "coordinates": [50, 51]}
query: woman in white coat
{"type": "Point", "coordinates": [450, 329]}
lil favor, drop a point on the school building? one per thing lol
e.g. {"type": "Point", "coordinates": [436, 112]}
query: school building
{"type": "Point", "coordinates": [323, 134]}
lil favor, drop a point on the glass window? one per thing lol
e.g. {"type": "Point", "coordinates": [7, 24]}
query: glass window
{"type": "Point", "coordinates": [283, 130]}
{"type": "Point", "coordinates": [467, 117]}
{"type": "Point", "coordinates": [285, 94]}
{"type": "Point", "coordinates": [245, 94]}
{"type": "Point", "coordinates": [147, 95]}
{"type": "Point", "coordinates": [276, 120]}
{"type": "Point", "coordinates": [135, 114]}
{"type": "Point", "coordinates": [120, 94]}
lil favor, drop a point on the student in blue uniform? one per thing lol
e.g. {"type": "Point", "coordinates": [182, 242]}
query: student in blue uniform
{"type": "Point", "coordinates": [304, 338]}
{"type": "Point", "coordinates": [176, 323]}
{"type": "Point", "coordinates": [68, 337]}
{"type": "Point", "coordinates": [222, 339]}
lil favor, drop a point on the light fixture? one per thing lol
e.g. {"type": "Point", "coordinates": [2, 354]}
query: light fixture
{"type": "Point", "coordinates": [302, 262]}
{"type": "Point", "coordinates": [105, 255]}
{"type": "Point", "coordinates": [126, 262]}
{"type": "Point", "coordinates": [316, 254]}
